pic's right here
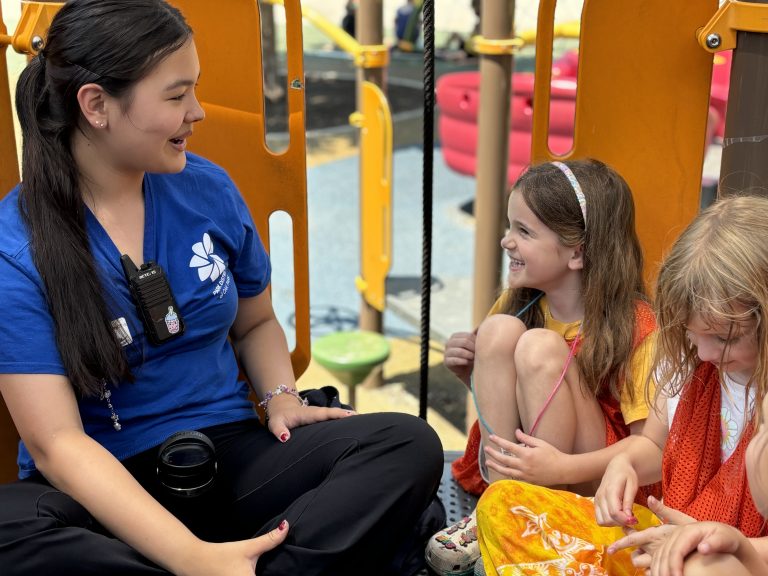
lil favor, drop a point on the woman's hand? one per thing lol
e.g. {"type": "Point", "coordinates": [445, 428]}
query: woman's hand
{"type": "Point", "coordinates": [261, 347]}
{"type": "Point", "coordinates": [531, 460]}
{"type": "Point", "coordinates": [616, 494]}
{"type": "Point", "coordinates": [286, 412]}
{"type": "Point", "coordinates": [459, 355]}
{"type": "Point", "coordinates": [233, 558]}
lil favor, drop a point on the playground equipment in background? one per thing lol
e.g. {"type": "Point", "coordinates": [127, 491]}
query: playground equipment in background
{"type": "Point", "coordinates": [375, 123]}
{"type": "Point", "coordinates": [351, 356]}
{"type": "Point", "coordinates": [458, 100]}
{"type": "Point", "coordinates": [234, 133]}
{"type": "Point", "coordinates": [718, 94]}
{"type": "Point", "coordinates": [365, 56]}
{"type": "Point", "coordinates": [374, 120]}
{"type": "Point", "coordinates": [35, 20]}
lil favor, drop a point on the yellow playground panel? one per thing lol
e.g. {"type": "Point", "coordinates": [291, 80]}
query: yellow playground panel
{"type": "Point", "coordinates": [228, 39]}
{"type": "Point", "coordinates": [641, 105]}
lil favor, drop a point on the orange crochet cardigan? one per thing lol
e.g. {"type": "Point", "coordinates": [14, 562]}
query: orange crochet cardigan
{"type": "Point", "coordinates": [694, 479]}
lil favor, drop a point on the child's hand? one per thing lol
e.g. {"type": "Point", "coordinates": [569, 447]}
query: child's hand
{"type": "Point", "coordinates": [646, 541]}
{"type": "Point", "coordinates": [532, 460]}
{"type": "Point", "coordinates": [649, 541]}
{"type": "Point", "coordinates": [459, 356]}
{"type": "Point", "coordinates": [668, 515]}
{"type": "Point", "coordinates": [616, 494]}
{"type": "Point", "coordinates": [677, 542]}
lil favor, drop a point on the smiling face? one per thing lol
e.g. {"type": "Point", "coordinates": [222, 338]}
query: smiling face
{"type": "Point", "coordinates": [730, 346]}
{"type": "Point", "coordinates": [147, 131]}
{"type": "Point", "coordinates": [538, 259]}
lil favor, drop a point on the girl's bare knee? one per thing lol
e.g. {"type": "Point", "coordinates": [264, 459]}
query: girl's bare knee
{"type": "Point", "coordinates": [498, 334]}
{"type": "Point", "coordinates": [539, 349]}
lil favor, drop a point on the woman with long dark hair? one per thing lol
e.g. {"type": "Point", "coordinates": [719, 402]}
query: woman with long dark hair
{"type": "Point", "coordinates": [133, 281]}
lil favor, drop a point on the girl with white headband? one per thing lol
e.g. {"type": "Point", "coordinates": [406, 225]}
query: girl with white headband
{"type": "Point", "coordinates": [559, 366]}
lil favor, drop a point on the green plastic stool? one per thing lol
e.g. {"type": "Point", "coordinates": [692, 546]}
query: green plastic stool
{"type": "Point", "coordinates": [351, 355]}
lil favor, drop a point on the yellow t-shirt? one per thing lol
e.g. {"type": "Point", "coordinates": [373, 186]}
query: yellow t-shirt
{"type": "Point", "coordinates": [641, 363]}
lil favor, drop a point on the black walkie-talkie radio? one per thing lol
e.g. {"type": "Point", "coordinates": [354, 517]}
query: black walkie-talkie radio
{"type": "Point", "coordinates": [154, 300]}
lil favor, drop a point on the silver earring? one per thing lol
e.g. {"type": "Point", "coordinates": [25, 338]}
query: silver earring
{"type": "Point", "coordinates": [101, 124]}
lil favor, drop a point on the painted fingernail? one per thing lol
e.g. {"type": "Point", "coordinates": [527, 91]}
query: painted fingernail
{"type": "Point", "coordinates": [284, 437]}
{"type": "Point", "coordinates": [283, 525]}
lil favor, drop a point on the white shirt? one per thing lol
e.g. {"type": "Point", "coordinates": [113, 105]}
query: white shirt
{"type": "Point", "coordinates": [732, 417]}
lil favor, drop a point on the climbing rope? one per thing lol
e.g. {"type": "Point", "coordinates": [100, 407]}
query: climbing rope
{"type": "Point", "coordinates": [428, 9]}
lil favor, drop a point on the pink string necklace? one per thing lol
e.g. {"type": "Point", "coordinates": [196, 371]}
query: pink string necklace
{"type": "Point", "coordinates": [571, 354]}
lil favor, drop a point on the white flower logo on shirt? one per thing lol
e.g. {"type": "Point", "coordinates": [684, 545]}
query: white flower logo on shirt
{"type": "Point", "coordinates": [207, 263]}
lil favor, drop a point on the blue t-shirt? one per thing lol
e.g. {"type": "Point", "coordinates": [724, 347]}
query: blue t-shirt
{"type": "Point", "coordinates": [198, 228]}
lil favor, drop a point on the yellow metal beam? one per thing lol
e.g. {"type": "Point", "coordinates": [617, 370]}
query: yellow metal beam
{"type": "Point", "coordinates": [375, 123]}
{"type": "Point", "coordinates": [372, 56]}
{"type": "Point", "coordinates": [29, 37]}
{"type": "Point", "coordinates": [496, 47]}
{"type": "Point", "coordinates": [479, 45]}
{"type": "Point", "coordinates": [720, 32]}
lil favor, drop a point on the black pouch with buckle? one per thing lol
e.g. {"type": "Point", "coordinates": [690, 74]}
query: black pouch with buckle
{"type": "Point", "coordinates": [326, 397]}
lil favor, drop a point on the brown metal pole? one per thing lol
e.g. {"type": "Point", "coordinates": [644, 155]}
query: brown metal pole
{"type": "Point", "coordinates": [492, 155]}
{"type": "Point", "coordinates": [369, 30]}
{"type": "Point", "coordinates": [743, 168]}
{"type": "Point", "coordinates": [496, 23]}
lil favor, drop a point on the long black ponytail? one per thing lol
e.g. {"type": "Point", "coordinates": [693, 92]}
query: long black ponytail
{"type": "Point", "coordinates": [113, 43]}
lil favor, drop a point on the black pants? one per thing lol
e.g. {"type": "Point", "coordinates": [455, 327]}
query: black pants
{"type": "Point", "coordinates": [351, 490]}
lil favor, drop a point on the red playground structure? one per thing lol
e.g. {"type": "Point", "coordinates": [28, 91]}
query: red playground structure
{"type": "Point", "coordinates": [458, 98]}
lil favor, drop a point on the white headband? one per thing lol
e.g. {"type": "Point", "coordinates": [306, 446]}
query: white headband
{"type": "Point", "coordinates": [576, 188]}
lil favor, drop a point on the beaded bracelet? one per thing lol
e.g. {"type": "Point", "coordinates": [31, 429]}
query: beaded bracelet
{"type": "Point", "coordinates": [282, 389]}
